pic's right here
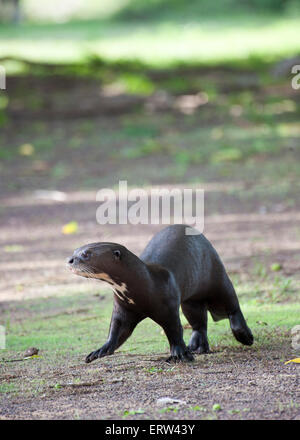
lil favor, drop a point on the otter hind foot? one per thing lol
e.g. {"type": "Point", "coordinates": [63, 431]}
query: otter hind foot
{"type": "Point", "coordinates": [240, 330]}
{"type": "Point", "coordinates": [198, 343]}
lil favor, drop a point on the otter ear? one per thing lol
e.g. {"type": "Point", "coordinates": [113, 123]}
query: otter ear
{"type": "Point", "coordinates": [117, 254]}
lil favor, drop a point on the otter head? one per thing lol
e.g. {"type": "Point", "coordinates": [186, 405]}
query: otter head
{"type": "Point", "coordinates": [104, 261]}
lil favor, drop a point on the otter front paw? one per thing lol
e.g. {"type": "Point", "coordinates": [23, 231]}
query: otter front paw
{"type": "Point", "coordinates": [103, 351]}
{"type": "Point", "coordinates": [180, 354]}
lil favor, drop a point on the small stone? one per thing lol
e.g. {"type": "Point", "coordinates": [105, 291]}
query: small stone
{"type": "Point", "coordinates": [164, 401]}
{"type": "Point", "coordinates": [31, 351]}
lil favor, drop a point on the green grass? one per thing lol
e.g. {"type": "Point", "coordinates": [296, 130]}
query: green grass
{"type": "Point", "coordinates": [266, 285]}
{"type": "Point", "coordinates": [62, 329]}
{"type": "Point", "coordinates": [228, 143]}
{"type": "Point", "coordinates": [7, 388]}
{"type": "Point", "coordinates": [207, 40]}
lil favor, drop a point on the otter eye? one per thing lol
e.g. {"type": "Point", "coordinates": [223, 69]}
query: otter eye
{"type": "Point", "coordinates": [117, 254]}
{"type": "Point", "coordinates": [85, 255]}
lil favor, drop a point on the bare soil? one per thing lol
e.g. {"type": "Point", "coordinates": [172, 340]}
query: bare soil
{"type": "Point", "coordinates": [246, 385]}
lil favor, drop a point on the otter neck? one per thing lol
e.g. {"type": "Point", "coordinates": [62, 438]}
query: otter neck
{"type": "Point", "coordinates": [127, 287]}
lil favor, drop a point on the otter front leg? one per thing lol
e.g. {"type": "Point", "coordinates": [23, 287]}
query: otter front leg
{"type": "Point", "coordinates": [122, 324]}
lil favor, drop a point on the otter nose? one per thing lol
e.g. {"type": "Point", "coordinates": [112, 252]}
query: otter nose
{"type": "Point", "coordinates": [79, 258]}
{"type": "Point", "coordinates": [70, 260]}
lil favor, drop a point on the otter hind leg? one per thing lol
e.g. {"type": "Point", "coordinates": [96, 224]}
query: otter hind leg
{"type": "Point", "coordinates": [196, 314]}
{"type": "Point", "coordinates": [224, 304]}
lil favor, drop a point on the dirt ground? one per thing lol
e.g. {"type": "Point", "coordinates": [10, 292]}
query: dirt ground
{"type": "Point", "coordinates": [262, 389]}
{"type": "Point", "coordinates": [242, 383]}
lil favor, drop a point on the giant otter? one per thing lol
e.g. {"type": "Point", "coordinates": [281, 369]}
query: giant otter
{"type": "Point", "coordinates": [174, 269]}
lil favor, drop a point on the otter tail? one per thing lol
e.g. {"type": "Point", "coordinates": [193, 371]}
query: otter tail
{"type": "Point", "coordinates": [240, 330]}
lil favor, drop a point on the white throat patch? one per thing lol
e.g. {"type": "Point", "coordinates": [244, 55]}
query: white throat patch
{"type": "Point", "coordinates": [119, 290]}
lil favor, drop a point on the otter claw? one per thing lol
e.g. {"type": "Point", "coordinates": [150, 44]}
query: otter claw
{"type": "Point", "coordinates": [92, 356]}
{"type": "Point", "coordinates": [177, 359]}
{"type": "Point", "coordinates": [103, 351]}
{"type": "Point", "coordinates": [180, 356]}
{"type": "Point", "coordinates": [200, 350]}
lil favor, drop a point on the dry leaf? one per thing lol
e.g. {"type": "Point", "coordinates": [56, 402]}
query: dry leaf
{"type": "Point", "coordinates": [296, 361]}
{"type": "Point", "coordinates": [70, 228]}
{"type": "Point", "coordinates": [26, 150]}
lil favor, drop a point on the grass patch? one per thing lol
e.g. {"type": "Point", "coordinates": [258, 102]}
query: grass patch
{"type": "Point", "coordinates": [264, 287]}
{"type": "Point", "coordinates": [67, 330]}
{"type": "Point", "coordinates": [8, 388]}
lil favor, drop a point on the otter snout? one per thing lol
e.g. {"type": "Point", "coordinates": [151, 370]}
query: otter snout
{"type": "Point", "coordinates": [79, 258]}
{"type": "Point", "coordinates": [96, 258]}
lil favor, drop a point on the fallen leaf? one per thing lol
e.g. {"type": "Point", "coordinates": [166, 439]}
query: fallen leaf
{"type": "Point", "coordinates": [26, 150]}
{"type": "Point", "coordinates": [296, 361]}
{"type": "Point", "coordinates": [70, 228]}
{"type": "Point", "coordinates": [32, 357]}
{"type": "Point", "coordinates": [276, 267]}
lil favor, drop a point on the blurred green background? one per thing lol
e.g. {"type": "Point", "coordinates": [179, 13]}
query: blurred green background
{"type": "Point", "coordinates": [156, 32]}
{"type": "Point", "coordinates": [221, 71]}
